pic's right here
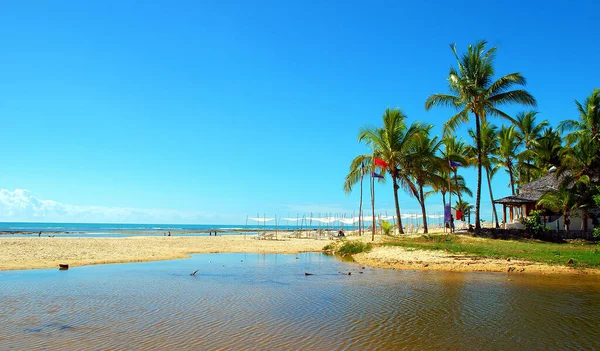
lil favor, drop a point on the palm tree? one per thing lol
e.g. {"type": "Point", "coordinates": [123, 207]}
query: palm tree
{"type": "Point", "coordinates": [390, 144]}
{"type": "Point", "coordinates": [465, 208]}
{"type": "Point", "coordinates": [455, 152]}
{"type": "Point", "coordinates": [587, 128]}
{"type": "Point", "coordinates": [508, 142]}
{"type": "Point", "coordinates": [547, 150]}
{"type": "Point", "coordinates": [458, 187]}
{"type": "Point", "coordinates": [561, 201]}
{"type": "Point", "coordinates": [529, 132]}
{"type": "Point", "coordinates": [581, 158]}
{"type": "Point", "coordinates": [578, 168]}
{"type": "Point", "coordinates": [489, 147]}
{"type": "Point", "coordinates": [474, 91]}
{"type": "Point", "coordinates": [358, 169]}
{"type": "Point", "coordinates": [424, 165]}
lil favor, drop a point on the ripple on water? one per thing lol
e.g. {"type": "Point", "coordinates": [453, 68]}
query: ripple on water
{"type": "Point", "coordinates": [266, 302]}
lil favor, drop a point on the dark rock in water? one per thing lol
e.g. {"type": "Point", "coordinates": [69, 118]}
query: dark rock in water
{"type": "Point", "coordinates": [307, 273]}
{"type": "Point", "coordinates": [63, 267]}
{"type": "Point", "coordinates": [510, 269]}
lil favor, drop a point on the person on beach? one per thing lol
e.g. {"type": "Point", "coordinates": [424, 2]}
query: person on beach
{"type": "Point", "coordinates": [451, 223]}
{"type": "Point", "coordinates": [169, 233]}
{"type": "Point", "coordinates": [341, 233]}
{"type": "Point", "coordinates": [40, 235]}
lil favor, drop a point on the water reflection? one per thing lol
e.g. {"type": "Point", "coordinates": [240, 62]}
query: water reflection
{"type": "Point", "coordinates": [256, 301]}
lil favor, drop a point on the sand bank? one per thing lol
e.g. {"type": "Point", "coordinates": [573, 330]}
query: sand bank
{"type": "Point", "coordinates": [402, 258]}
{"type": "Point", "coordinates": [29, 253]}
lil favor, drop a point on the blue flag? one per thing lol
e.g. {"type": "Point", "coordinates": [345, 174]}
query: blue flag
{"type": "Point", "coordinates": [447, 213]}
{"type": "Point", "coordinates": [375, 175]}
{"type": "Point", "coordinates": [455, 164]}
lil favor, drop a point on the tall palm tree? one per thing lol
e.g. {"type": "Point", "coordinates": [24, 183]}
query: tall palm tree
{"type": "Point", "coordinates": [529, 132]}
{"type": "Point", "coordinates": [488, 147]}
{"type": "Point", "coordinates": [473, 91]}
{"type": "Point", "coordinates": [424, 165]}
{"type": "Point", "coordinates": [359, 167]}
{"type": "Point", "coordinates": [390, 144]}
{"type": "Point", "coordinates": [508, 142]}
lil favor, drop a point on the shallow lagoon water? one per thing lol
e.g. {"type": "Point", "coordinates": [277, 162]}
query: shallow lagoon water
{"type": "Point", "coordinates": [259, 302]}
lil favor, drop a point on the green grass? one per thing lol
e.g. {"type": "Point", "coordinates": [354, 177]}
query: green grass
{"type": "Point", "coordinates": [348, 247]}
{"type": "Point", "coordinates": [584, 255]}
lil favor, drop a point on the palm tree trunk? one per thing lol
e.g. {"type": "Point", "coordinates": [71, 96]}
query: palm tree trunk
{"type": "Point", "coordinates": [584, 220]}
{"type": "Point", "coordinates": [489, 181]}
{"type": "Point", "coordinates": [396, 187]}
{"type": "Point", "coordinates": [422, 201]}
{"type": "Point", "coordinates": [510, 174]}
{"type": "Point", "coordinates": [478, 196]}
{"type": "Point", "coordinates": [373, 207]}
{"type": "Point", "coordinates": [362, 176]}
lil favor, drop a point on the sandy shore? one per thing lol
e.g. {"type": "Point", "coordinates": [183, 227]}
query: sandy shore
{"type": "Point", "coordinates": [401, 258]}
{"type": "Point", "coordinates": [30, 253]}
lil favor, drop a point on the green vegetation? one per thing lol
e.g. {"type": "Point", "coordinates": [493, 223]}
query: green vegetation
{"type": "Point", "coordinates": [534, 224]}
{"type": "Point", "coordinates": [583, 255]}
{"type": "Point", "coordinates": [348, 247]}
{"type": "Point", "coordinates": [386, 226]}
{"type": "Point", "coordinates": [523, 146]}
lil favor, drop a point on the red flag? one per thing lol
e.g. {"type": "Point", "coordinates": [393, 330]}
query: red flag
{"type": "Point", "coordinates": [380, 162]}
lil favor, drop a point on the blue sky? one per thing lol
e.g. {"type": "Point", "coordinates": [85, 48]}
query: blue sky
{"type": "Point", "coordinates": [208, 111]}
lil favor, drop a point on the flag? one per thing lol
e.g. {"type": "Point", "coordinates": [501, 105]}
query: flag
{"type": "Point", "coordinates": [375, 175]}
{"type": "Point", "coordinates": [380, 162]}
{"type": "Point", "coordinates": [455, 164]}
{"type": "Point", "coordinates": [447, 213]}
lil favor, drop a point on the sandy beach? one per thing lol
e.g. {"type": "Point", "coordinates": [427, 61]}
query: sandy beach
{"type": "Point", "coordinates": [31, 253]}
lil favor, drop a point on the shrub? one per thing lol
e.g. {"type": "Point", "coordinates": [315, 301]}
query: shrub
{"type": "Point", "coordinates": [534, 225]}
{"type": "Point", "coordinates": [351, 247]}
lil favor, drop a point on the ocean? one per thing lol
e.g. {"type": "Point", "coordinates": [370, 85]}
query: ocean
{"type": "Point", "coordinates": [120, 228]}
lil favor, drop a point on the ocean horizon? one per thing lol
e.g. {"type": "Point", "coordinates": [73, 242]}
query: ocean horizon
{"type": "Point", "coordinates": [150, 227]}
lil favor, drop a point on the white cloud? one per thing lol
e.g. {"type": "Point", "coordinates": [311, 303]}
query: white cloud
{"type": "Point", "coordinates": [21, 205]}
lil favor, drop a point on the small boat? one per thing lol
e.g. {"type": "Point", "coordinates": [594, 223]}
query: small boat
{"type": "Point", "coordinates": [63, 267]}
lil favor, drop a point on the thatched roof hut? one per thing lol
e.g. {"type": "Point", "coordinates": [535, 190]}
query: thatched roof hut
{"type": "Point", "coordinates": [530, 193]}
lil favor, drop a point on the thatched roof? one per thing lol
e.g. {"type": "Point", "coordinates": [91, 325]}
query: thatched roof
{"type": "Point", "coordinates": [533, 191]}
{"type": "Point", "coordinates": [537, 188]}
{"type": "Point", "coordinates": [514, 200]}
